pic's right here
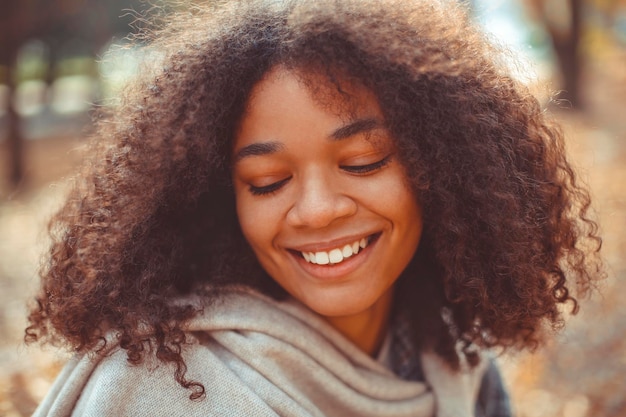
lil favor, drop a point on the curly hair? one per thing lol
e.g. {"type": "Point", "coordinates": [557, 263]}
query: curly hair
{"type": "Point", "coordinates": [506, 233]}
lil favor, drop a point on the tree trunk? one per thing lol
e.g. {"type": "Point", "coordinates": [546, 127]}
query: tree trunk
{"type": "Point", "coordinates": [567, 49]}
{"type": "Point", "coordinates": [14, 139]}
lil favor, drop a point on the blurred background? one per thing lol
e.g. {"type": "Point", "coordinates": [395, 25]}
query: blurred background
{"type": "Point", "coordinates": [60, 59]}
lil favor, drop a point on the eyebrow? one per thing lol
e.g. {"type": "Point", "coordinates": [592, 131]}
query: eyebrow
{"type": "Point", "coordinates": [266, 148]}
{"type": "Point", "coordinates": [355, 127]}
{"type": "Point", "coordinates": [258, 149]}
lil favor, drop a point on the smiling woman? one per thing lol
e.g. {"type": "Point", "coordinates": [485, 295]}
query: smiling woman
{"type": "Point", "coordinates": [327, 182]}
{"type": "Point", "coordinates": [313, 208]}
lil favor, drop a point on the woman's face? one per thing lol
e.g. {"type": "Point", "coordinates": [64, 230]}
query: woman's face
{"type": "Point", "coordinates": [321, 196]}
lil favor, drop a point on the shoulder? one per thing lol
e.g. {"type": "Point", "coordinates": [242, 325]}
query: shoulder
{"type": "Point", "coordinates": [480, 388]}
{"type": "Point", "coordinates": [108, 385]}
{"type": "Point", "coordinates": [493, 398]}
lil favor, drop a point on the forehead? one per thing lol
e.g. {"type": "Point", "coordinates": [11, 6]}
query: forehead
{"type": "Point", "coordinates": [291, 110]}
{"type": "Point", "coordinates": [336, 94]}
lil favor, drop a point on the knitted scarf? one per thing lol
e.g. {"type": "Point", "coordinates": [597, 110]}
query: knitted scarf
{"type": "Point", "coordinates": [259, 357]}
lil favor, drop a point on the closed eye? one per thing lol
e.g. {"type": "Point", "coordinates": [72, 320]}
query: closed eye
{"type": "Point", "coordinates": [364, 169]}
{"type": "Point", "coordinates": [268, 189]}
{"type": "Point", "coordinates": [354, 169]}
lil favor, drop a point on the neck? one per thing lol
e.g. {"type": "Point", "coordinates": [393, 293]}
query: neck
{"type": "Point", "coordinates": [366, 329]}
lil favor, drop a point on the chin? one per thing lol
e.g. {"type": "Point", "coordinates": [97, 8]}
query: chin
{"type": "Point", "coordinates": [335, 305]}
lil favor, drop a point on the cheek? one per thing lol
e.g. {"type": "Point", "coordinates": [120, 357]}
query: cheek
{"type": "Point", "coordinates": [407, 209]}
{"type": "Point", "coordinates": [394, 197]}
{"type": "Point", "coordinates": [258, 221]}
{"type": "Point", "coordinates": [401, 207]}
{"type": "Point", "coordinates": [247, 217]}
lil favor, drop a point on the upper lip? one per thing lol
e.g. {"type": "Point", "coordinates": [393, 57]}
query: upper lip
{"type": "Point", "coordinates": [326, 245]}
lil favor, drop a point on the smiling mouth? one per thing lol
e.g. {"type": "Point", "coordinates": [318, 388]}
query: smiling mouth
{"type": "Point", "coordinates": [337, 255]}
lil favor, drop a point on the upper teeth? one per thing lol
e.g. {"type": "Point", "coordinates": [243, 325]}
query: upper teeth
{"type": "Point", "coordinates": [337, 255]}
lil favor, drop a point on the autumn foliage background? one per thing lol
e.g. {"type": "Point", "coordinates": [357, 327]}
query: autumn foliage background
{"type": "Point", "coordinates": [54, 66]}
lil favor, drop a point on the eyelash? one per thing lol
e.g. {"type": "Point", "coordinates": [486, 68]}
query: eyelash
{"type": "Point", "coordinates": [359, 169]}
{"type": "Point", "coordinates": [364, 169]}
{"type": "Point", "coordinates": [268, 189]}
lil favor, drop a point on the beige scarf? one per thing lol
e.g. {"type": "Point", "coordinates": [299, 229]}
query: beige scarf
{"type": "Point", "coordinates": [259, 357]}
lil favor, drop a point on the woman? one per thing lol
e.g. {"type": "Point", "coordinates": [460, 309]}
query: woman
{"type": "Point", "coordinates": [313, 208]}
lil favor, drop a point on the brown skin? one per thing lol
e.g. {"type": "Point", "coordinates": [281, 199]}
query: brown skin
{"type": "Point", "coordinates": [312, 177]}
{"type": "Point", "coordinates": [506, 234]}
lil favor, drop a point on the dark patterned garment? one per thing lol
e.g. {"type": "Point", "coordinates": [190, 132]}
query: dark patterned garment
{"type": "Point", "coordinates": [493, 399]}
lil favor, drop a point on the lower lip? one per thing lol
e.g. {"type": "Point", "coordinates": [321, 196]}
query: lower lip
{"type": "Point", "coordinates": [333, 272]}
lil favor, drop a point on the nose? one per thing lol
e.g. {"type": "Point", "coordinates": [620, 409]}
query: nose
{"type": "Point", "coordinates": [319, 202]}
